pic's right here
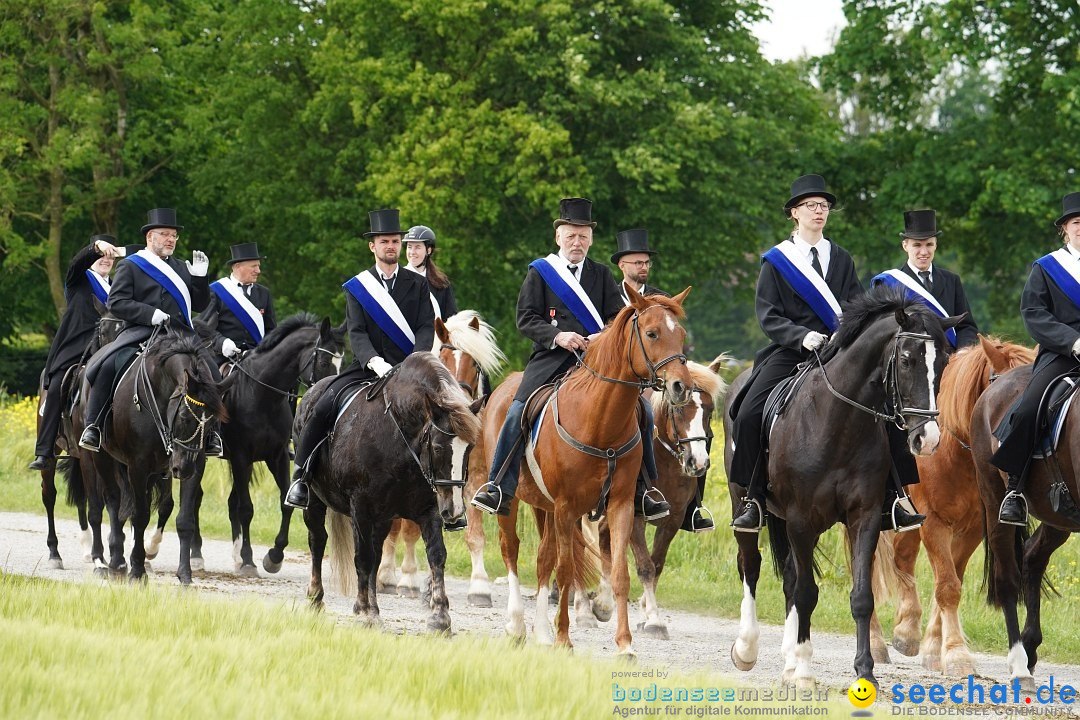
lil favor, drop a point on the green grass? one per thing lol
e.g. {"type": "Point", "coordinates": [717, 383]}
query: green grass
{"type": "Point", "coordinates": [700, 574]}
{"type": "Point", "coordinates": [77, 650]}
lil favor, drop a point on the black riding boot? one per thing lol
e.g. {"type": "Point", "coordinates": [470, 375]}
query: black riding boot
{"type": "Point", "coordinates": [646, 506]}
{"type": "Point", "coordinates": [313, 435]}
{"type": "Point", "coordinates": [752, 513]}
{"type": "Point", "coordinates": [96, 406]}
{"type": "Point", "coordinates": [695, 520]}
{"type": "Point", "coordinates": [496, 496]}
{"type": "Point", "coordinates": [1014, 509]}
{"type": "Point", "coordinates": [896, 516]}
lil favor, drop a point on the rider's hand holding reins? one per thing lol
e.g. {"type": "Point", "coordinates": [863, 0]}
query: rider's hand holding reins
{"type": "Point", "coordinates": [813, 340]}
{"type": "Point", "coordinates": [379, 366]}
{"type": "Point", "coordinates": [228, 348]}
{"type": "Point", "coordinates": [160, 317]}
{"type": "Point", "coordinates": [199, 263]}
{"type": "Point", "coordinates": [571, 341]}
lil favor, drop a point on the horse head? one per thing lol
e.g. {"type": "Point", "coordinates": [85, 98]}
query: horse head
{"type": "Point", "coordinates": [656, 344]}
{"type": "Point", "coordinates": [466, 346]}
{"type": "Point", "coordinates": [108, 327]}
{"type": "Point", "coordinates": [326, 357]}
{"type": "Point", "coordinates": [685, 430]}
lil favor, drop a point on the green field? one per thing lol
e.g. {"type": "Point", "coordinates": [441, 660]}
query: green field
{"type": "Point", "coordinates": [700, 574]}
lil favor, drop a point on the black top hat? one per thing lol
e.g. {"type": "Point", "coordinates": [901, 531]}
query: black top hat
{"type": "Point", "coordinates": [384, 222]}
{"type": "Point", "coordinates": [103, 238]}
{"type": "Point", "coordinates": [808, 186]}
{"type": "Point", "coordinates": [1070, 206]}
{"type": "Point", "coordinates": [161, 218]}
{"type": "Point", "coordinates": [130, 250]}
{"type": "Point", "coordinates": [920, 224]}
{"type": "Point", "coordinates": [245, 251]}
{"type": "Point", "coordinates": [575, 211]}
{"type": "Point", "coordinates": [632, 241]}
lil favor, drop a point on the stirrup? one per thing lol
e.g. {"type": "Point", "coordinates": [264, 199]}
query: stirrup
{"type": "Point", "coordinates": [482, 506]}
{"type": "Point", "coordinates": [656, 516]}
{"type": "Point", "coordinates": [702, 509]}
{"type": "Point", "coordinates": [905, 504]}
{"type": "Point", "coordinates": [761, 516]}
{"type": "Point", "coordinates": [1023, 504]}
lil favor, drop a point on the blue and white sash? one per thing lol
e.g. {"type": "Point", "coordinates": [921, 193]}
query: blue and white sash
{"type": "Point", "coordinates": [915, 289]}
{"type": "Point", "coordinates": [159, 271]}
{"type": "Point", "coordinates": [1064, 270]}
{"type": "Point", "coordinates": [568, 289]}
{"type": "Point", "coordinates": [99, 286]}
{"type": "Point", "coordinates": [373, 297]}
{"type": "Point", "coordinates": [234, 298]}
{"type": "Point", "coordinates": [805, 281]}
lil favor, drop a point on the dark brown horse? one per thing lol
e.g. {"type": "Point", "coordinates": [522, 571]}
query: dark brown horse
{"type": "Point", "coordinates": [588, 439]}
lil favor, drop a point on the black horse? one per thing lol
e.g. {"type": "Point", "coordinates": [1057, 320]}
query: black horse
{"type": "Point", "coordinates": [260, 396]}
{"type": "Point", "coordinates": [829, 460]}
{"type": "Point", "coordinates": [390, 456]}
{"type": "Point", "coordinates": [163, 404]}
{"type": "Point", "coordinates": [78, 469]}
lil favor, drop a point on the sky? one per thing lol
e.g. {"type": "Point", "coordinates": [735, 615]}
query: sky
{"type": "Point", "coordinates": [799, 27]}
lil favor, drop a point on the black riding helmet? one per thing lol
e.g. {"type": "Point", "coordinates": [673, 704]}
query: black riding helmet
{"type": "Point", "coordinates": [420, 233]}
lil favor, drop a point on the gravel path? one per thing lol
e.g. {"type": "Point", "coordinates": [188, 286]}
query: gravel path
{"type": "Point", "coordinates": [698, 642]}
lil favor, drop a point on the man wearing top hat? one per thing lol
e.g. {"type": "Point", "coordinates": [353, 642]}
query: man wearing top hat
{"type": "Point", "coordinates": [241, 312]}
{"type": "Point", "coordinates": [87, 278]}
{"type": "Point", "coordinates": [389, 316]}
{"type": "Point", "coordinates": [940, 289]}
{"type": "Point", "coordinates": [151, 288]}
{"type": "Point", "coordinates": [556, 331]}
{"type": "Point", "coordinates": [1050, 306]}
{"type": "Point", "coordinates": [634, 258]}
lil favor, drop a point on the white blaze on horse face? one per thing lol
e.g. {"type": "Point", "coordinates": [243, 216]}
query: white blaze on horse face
{"type": "Point", "coordinates": [459, 457]}
{"type": "Point", "coordinates": [336, 360]}
{"type": "Point", "coordinates": [698, 450]}
{"type": "Point", "coordinates": [671, 324]}
{"type": "Point", "coordinates": [931, 432]}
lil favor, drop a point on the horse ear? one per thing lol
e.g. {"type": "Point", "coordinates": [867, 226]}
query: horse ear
{"type": "Point", "coordinates": [997, 359]}
{"type": "Point", "coordinates": [99, 306]}
{"type": "Point", "coordinates": [719, 362]}
{"type": "Point", "coordinates": [682, 296]}
{"type": "Point", "coordinates": [477, 405]}
{"type": "Point", "coordinates": [441, 332]}
{"type": "Point", "coordinates": [636, 298]}
{"type": "Point", "coordinates": [903, 319]}
{"type": "Point", "coordinates": [953, 321]}
{"type": "Point", "coordinates": [339, 331]}
{"type": "Point", "coordinates": [324, 327]}
{"type": "Point", "coordinates": [475, 323]}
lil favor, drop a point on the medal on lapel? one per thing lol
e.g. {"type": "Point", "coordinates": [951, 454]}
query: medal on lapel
{"type": "Point", "coordinates": [551, 314]}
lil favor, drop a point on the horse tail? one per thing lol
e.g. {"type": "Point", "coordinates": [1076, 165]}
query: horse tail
{"type": "Point", "coordinates": [778, 543]}
{"type": "Point", "coordinates": [1020, 537]}
{"type": "Point", "coordinates": [342, 552]}
{"type": "Point", "coordinates": [161, 487]}
{"type": "Point", "coordinates": [586, 560]}
{"type": "Point", "coordinates": [76, 487]}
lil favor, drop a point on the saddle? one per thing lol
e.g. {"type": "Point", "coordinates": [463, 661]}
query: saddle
{"type": "Point", "coordinates": [779, 398]}
{"type": "Point", "coordinates": [1053, 409]}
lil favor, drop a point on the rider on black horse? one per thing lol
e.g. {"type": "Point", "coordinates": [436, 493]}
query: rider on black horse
{"type": "Point", "coordinates": [389, 317]}
{"type": "Point", "coordinates": [800, 287]}
{"type": "Point", "coordinates": [552, 287]}
{"type": "Point", "coordinates": [241, 311]}
{"type": "Point", "coordinates": [151, 288]}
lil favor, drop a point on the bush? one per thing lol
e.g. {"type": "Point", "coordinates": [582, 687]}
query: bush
{"type": "Point", "coordinates": [20, 368]}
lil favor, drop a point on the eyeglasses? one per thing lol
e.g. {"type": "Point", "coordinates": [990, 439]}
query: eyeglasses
{"type": "Point", "coordinates": [814, 206]}
{"type": "Point", "coordinates": [638, 263]}
{"type": "Point", "coordinates": [167, 235]}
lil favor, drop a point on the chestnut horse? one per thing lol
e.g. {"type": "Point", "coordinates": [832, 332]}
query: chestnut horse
{"type": "Point", "coordinates": [1017, 563]}
{"type": "Point", "coordinates": [465, 344]}
{"type": "Point", "coordinates": [946, 493]}
{"type": "Point", "coordinates": [588, 440]}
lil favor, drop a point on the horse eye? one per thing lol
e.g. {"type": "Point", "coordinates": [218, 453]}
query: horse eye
{"type": "Point", "coordinates": [652, 334]}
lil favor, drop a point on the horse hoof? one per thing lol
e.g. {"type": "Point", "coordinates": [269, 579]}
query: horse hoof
{"type": "Point", "coordinates": [807, 684]}
{"type": "Point", "coordinates": [247, 571]}
{"type": "Point", "coordinates": [407, 592]}
{"type": "Point", "coordinates": [601, 611]}
{"type": "Point", "coordinates": [931, 662]}
{"type": "Point", "coordinates": [959, 664]}
{"type": "Point", "coordinates": [56, 564]}
{"type": "Point", "coordinates": [151, 554]}
{"type": "Point", "coordinates": [586, 621]}
{"type": "Point", "coordinates": [1027, 684]}
{"type": "Point", "coordinates": [102, 572]}
{"type": "Point", "coordinates": [880, 654]}
{"type": "Point", "coordinates": [657, 631]}
{"type": "Point", "coordinates": [197, 563]}
{"type": "Point", "coordinates": [439, 624]}
{"type": "Point", "coordinates": [627, 655]}
{"type": "Point", "coordinates": [905, 646]}
{"type": "Point", "coordinates": [741, 664]}
{"type": "Point", "coordinates": [147, 567]}
{"type": "Point", "coordinates": [515, 632]}
{"type": "Point", "coordinates": [269, 565]}
{"type": "Point", "coordinates": [480, 600]}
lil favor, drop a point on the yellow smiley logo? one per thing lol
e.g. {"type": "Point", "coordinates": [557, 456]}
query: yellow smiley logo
{"type": "Point", "coordinates": [862, 693]}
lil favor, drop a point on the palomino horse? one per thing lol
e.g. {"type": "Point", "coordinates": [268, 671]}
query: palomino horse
{"type": "Point", "coordinates": [164, 402]}
{"type": "Point", "coordinates": [946, 493]}
{"type": "Point", "coordinates": [681, 441]}
{"type": "Point", "coordinates": [389, 456]}
{"type": "Point", "coordinates": [589, 442]}
{"type": "Point", "coordinates": [1015, 562]}
{"type": "Point", "coordinates": [829, 460]}
{"type": "Point", "coordinates": [78, 468]}
{"type": "Point", "coordinates": [466, 346]}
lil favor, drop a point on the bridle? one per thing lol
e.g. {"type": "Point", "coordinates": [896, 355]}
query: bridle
{"type": "Point", "coordinates": [679, 450]}
{"type": "Point", "coordinates": [470, 391]}
{"type": "Point", "coordinates": [892, 388]}
{"type": "Point", "coordinates": [425, 445]}
{"type": "Point", "coordinates": [653, 381]}
{"type": "Point", "coordinates": [311, 363]}
{"type": "Point", "coordinates": [188, 404]}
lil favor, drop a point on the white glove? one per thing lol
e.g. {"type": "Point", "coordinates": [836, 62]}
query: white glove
{"type": "Point", "coordinates": [160, 317]}
{"type": "Point", "coordinates": [228, 348]}
{"type": "Point", "coordinates": [379, 366]}
{"type": "Point", "coordinates": [1076, 347]}
{"type": "Point", "coordinates": [199, 264]}
{"type": "Point", "coordinates": [813, 340]}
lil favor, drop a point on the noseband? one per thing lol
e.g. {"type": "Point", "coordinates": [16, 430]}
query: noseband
{"type": "Point", "coordinates": [653, 381]}
{"type": "Point", "coordinates": [679, 450]}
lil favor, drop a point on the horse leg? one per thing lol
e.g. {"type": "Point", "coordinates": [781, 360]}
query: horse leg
{"type": "Point", "coordinates": [866, 531]}
{"type": "Point", "coordinates": [1037, 554]}
{"type": "Point", "coordinates": [1003, 550]}
{"type": "Point", "coordinates": [620, 524]}
{"type": "Point", "coordinates": [799, 650]}
{"type": "Point", "coordinates": [908, 620]}
{"type": "Point", "coordinates": [94, 550]}
{"type": "Point", "coordinates": [139, 521]}
{"type": "Point", "coordinates": [509, 544]}
{"type": "Point", "coordinates": [165, 511]}
{"type": "Point", "coordinates": [241, 512]}
{"type": "Point", "coordinates": [197, 562]}
{"type": "Point", "coordinates": [431, 529]}
{"type": "Point", "coordinates": [479, 582]}
{"type": "Point", "coordinates": [48, 499]}
{"type": "Point", "coordinates": [878, 649]}
{"type": "Point", "coordinates": [603, 603]}
{"type": "Point", "coordinates": [279, 468]}
{"type": "Point", "coordinates": [654, 625]}
{"type": "Point", "coordinates": [409, 582]}
{"type": "Point", "coordinates": [315, 520]}
{"type": "Point", "coordinates": [744, 651]}
{"type": "Point", "coordinates": [957, 660]}
{"type": "Point", "coordinates": [930, 648]}
{"type": "Point", "coordinates": [186, 521]}
{"type": "Point", "coordinates": [565, 528]}
{"type": "Point", "coordinates": [938, 541]}
{"type": "Point", "coordinates": [387, 577]}
{"type": "Point", "coordinates": [368, 537]}
{"type": "Point", "coordinates": [116, 476]}
{"type": "Point", "coordinates": [546, 557]}
{"type": "Point", "coordinates": [584, 616]}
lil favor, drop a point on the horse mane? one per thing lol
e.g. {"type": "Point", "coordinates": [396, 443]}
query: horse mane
{"type": "Point", "coordinates": [479, 344]}
{"type": "Point", "coordinates": [425, 372]}
{"type": "Point", "coordinates": [704, 380]}
{"type": "Point", "coordinates": [966, 377]}
{"type": "Point", "coordinates": [863, 310]}
{"type": "Point", "coordinates": [286, 328]}
{"type": "Point", "coordinates": [608, 351]}
{"type": "Point", "coordinates": [171, 345]}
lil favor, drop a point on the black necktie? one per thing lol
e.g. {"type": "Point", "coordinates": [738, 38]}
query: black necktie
{"type": "Point", "coordinates": [246, 287]}
{"type": "Point", "coordinates": [814, 261]}
{"type": "Point", "coordinates": [573, 270]}
{"type": "Point", "coordinates": [926, 281]}
{"type": "Point", "coordinates": [389, 282]}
